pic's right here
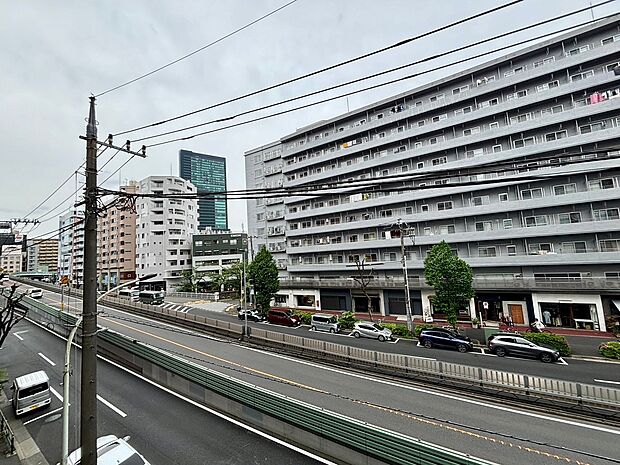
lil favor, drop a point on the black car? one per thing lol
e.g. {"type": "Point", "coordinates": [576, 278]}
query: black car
{"type": "Point", "coordinates": [514, 345]}
{"type": "Point", "coordinates": [440, 337]}
{"type": "Point", "coordinates": [253, 315]}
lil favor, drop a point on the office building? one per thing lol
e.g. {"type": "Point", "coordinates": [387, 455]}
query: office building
{"type": "Point", "coordinates": [42, 255]}
{"type": "Point", "coordinates": [164, 229]}
{"type": "Point", "coordinates": [486, 145]}
{"type": "Point", "coordinates": [71, 247]}
{"type": "Point", "coordinates": [208, 174]}
{"type": "Point", "coordinates": [116, 244]}
{"type": "Point", "coordinates": [213, 251]}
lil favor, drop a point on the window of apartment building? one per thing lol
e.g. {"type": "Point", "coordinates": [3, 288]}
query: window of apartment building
{"type": "Point", "coordinates": [526, 141]}
{"type": "Point", "coordinates": [318, 205]}
{"type": "Point", "coordinates": [402, 148]}
{"type": "Point", "coordinates": [439, 182]}
{"type": "Point", "coordinates": [260, 216]}
{"type": "Point", "coordinates": [517, 70]}
{"type": "Point", "coordinates": [389, 256]}
{"type": "Point", "coordinates": [480, 200]}
{"type": "Point", "coordinates": [578, 50]}
{"type": "Point", "coordinates": [536, 220]}
{"type": "Point", "coordinates": [494, 125]}
{"type": "Point", "coordinates": [582, 75]}
{"type": "Point", "coordinates": [610, 245]}
{"type": "Point", "coordinates": [436, 119]}
{"type": "Point", "coordinates": [612, 274]}
{"type": "Point", "coordinates": [507, 223]}
{"type": "Point", "coordinates": [421, 123]}
{"type": "Point", "coordinates": [552, 110]}
{"type": "Point", "coordinates": [528, 194]}
{"type": "Point", "coordinates": [610, 67]}
{"type": "Point", "coordinates": [511, 250]}
{"type": "Point", "coordinates": [352, 218]}
{"type": "Point", "coordinates": [547, 86]}
{"type": "Point", "coordinates": [518, 94]}
{"type": "Point", "coordinates": [447, 229]}
{"type": "Point", "coordinates": [542, 248]}
{"type": "Point", "coordinates": [293, 226]}
{"type": "Point", "coordinates": [497, 148]}
{"type": "Point", "coordinates": [435, 140]}
{"type": "Point", "coordinates": [484, 226]}
{"type": "Point", "coordinates": [353, 238]}
{"type": "Point", "coordinates": [371, 236]}
{"type": "Point", "coordinates": [417, 145]}
{"type": "Point", "coordinates": [470, 131]}
{"type": "Point", "coordinates": [488, 103]}
{"type": "Point", "coordinates": [458, 90]}
{"type": "Point", "coordinates": [487, 251]}
{"type": "Point", "coordinates": [607, 214]}
{"type": "Point", "coordinates": [592, 127]}
{"type": "Point", "coordinates": [444, 205]}
{"type": "Point", "coordinates": [474, 153]}
{"type": "Point", "coordinates": [306, 224]}
{"type": "Point", "coordinates": [503, 197]}
{"type": "Point", "coordinates": [428, 231]}
{"type": "Point", "coordinates": [408, 210]}
{"type": "Point", "coordinates": [599, 184]}
{"type": "Point", "coordinates": [610, 40]}
{"type": "Point", "coordinates": [574, 247]}
{"type": "Point", "coordinates": [385, 213]}
{"type": "Point", "coordinates": [320, 222]}
{"type": "Point", "coordinates": [543, 62]}
{"type": "Point", "coordinates": [565, 189]}
{"type": "Point", "coordinates": [424, 208]}
{"type": "Point", "coordinates": [569, 218]}
{"type": "Point", "coordinates": [436, 98]}
{"type": "Point", "coordinates": [550, 137]}
{"type": "Point", "coordinates": [420, 165]}
{"type": "Point", "coordinates": [521, 118]}
{"type": "Point", "coordinates": [462, 111]}
{"type": "Point", "coordinates": [439, 161]}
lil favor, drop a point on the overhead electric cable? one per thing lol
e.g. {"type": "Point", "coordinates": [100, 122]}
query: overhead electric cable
{"type": "Point", "coordinates": [327, 68]}
{"type": "Point", "coordinates": [197, 50]}
{"type": "Point", "coordinates": [398, 68]}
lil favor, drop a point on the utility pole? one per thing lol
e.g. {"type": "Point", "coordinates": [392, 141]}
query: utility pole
{"type": "Point", "coordinates": [405, 274]}
{"type": "Point", "coordinates": [88, 414]}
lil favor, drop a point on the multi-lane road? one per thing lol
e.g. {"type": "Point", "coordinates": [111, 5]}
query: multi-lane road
{"type": "Point", "coordinates": [497, 431]}
{"type": "Point", "coordinates": [164, 427]}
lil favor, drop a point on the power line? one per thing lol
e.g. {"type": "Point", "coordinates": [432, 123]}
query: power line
{"type": "Point", "coordinates": [328, 68]}
{"type": "Point", "coordinates": [398, 68]}
{"type": "Point", "coordinates": [197, 50]}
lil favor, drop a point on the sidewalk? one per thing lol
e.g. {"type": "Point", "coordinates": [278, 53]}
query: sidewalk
{"type": "Point", "coordinates": [27, 451]}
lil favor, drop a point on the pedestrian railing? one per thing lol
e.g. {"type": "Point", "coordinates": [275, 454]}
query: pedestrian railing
{"type": "Point", "coordinates": [7, 434]}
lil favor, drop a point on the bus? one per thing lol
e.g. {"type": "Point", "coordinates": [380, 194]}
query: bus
{"type": "Point", "coordinates": [152, 297]}
{"type": "Point", "coordinates": [30, 392]}
{"type": "Point", "coordinates": [131, 294]}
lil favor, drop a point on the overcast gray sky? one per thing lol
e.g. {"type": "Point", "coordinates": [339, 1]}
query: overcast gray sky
{"type": "Point", "coordinates": [55, 54]}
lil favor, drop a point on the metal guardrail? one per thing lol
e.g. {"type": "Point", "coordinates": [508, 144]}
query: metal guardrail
{"type": "Point", "coordinates": [210, 296]}
{"type": "Point", "coordinates": [7, 433]}
{"type": "Point", "coordinates": [379, 443]}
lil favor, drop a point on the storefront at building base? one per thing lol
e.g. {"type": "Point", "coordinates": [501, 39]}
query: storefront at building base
{"type": "Point", "coordinates": [578, 311]}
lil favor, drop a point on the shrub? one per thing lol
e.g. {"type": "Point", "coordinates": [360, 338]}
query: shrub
{"type": "Point", "coordinates": [398, 329]}
{"type": "Point", "coordinates": [347, 320]}
{"type": "Point", "coordinates": [610, 349]}
{"type": "Point", "coordinates": [305, 317]}
{"type": "Point", "coordinates": [418, 328]}
{"type": "Point", "coordinates": [555, 341]}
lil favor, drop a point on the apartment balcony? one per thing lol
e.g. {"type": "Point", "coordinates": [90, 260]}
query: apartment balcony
{"type": "Point", "coordinates": [274, 201]}
{"type": "Point", "coordinates": [272, 216]}
{"type": "Point", "coordinates": [475, 91]}
{"type": "Point", "coordinates": [503, 132]}
{"type": "Point", "coordinates": [480, 283]}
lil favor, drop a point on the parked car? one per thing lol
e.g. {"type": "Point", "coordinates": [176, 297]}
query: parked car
{"type": "Point", "coordinates": [520, 347]}
{"type": "Point", "coordinates": [319, 322]}
{"type": "Point", "coordinates": [502, 333]}
{"type": "Point", "coordinates": [440, 337]}
{"type": "Point", "coordinates": [283, 317]}
{"type": "Point", "coordinates": [36, 293]}
{"type": "Point", "coordinates": [372, 330]}
{"type": "Point", "coordinates": [253, 315]}
{"type": "Point", "coordinates": [111, 451]}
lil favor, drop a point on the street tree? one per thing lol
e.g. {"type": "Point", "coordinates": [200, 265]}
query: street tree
{"type": "Point", "coordinates": [11, 311]}
{"type": "Point", "coordinates": [364, 278]}
{"type": "Point", "coordinates": [263, 275]}
{"type": "Point", "coordinates": [188, 281]}
{"type": "Point", "coordinates": [451, 278]}
{"type": "Point", "coordinates": [228, 280]}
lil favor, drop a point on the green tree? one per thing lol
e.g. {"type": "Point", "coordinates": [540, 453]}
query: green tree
{"type": "Point", "coordinates": [188, 283]}
{"type": "Point", "coordinates": [263, 275]}
{"type": "Point", "coordinates": [451, 278]}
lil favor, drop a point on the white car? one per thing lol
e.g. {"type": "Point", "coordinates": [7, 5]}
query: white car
{"type": "Point", "coordinates": [36, 293]}
{"type": "Point", "coordinates": [373, 330]}
{"type": "Point", "coordinates": [111, 451]}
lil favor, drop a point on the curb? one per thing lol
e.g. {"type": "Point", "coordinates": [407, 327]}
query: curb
{"type": "Point", "coordinates": [27, 450]}
{"type": "Point", "coordinates": [586, 358]}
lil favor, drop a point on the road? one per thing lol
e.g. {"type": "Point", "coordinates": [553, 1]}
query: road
{"type": "Point", "coordinates": [494, 431]}
{"type": "Point", "coordinates": [165, 428]}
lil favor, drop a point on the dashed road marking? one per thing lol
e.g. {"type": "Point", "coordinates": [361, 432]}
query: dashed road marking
{"type": "Point", "coordinates": [56, 393]}
{"type": "Point", "coordinates": [46, 359]}
{"type": "Point", "coordinates": [111, 406]}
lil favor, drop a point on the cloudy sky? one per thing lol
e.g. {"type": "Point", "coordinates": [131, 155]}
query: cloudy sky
{"type": "Point", "coordinates": [55, 54]}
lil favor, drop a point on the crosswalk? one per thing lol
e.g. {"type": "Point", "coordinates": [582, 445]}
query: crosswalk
{"type": "Point", "coordinates": [176, 307]}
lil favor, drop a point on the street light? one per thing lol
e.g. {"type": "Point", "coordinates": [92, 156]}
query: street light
{"type": "Point", "coordinates": [65, 373]}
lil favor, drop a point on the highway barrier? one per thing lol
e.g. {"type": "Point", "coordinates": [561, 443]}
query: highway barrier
{"type": "Point", "coordinates": [325, 432]}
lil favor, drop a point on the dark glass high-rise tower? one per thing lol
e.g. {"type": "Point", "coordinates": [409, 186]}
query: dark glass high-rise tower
{"type": "Point", "coordinates": [208, 174]}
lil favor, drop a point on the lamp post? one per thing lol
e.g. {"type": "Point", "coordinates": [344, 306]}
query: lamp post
{"type": "Point", "coordinates": [66, 371]}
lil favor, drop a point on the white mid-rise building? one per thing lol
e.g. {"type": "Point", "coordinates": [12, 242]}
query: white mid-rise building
{"type": "Point", "coordinates": [71, 246]}
{"type": "Point", "coordinates": [164, 229]}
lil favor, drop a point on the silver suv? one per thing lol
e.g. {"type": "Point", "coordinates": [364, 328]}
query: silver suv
{"type": "Point", "coordinates": [372, 330]}
{"type": "Point", "coordinates": [521, 347]}
{"type": "Point", "coordinates": [111, 451]}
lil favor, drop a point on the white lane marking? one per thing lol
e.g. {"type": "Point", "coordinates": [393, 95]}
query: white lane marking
{"type": "Point", "coordinates": [46, 359]}
{"type": "Point", "coordinates": [561, 361]}
{"type": "Point", "coordinates": [111, 406]}
{"type": "Point", "coordinates": [56, 394]}
{"type": "Point", "coordinates": [18, 336]}
{"type": "Point", "coordinates": [394, 341]}
{"type": "Point", "coordinates": [42, 416]}
{"type": "Point", "coordinates": [21, 332]}
{"type": "Point", "coordinates": [443, 395]}
{"type": "Point", "coordinates": [606, 381]}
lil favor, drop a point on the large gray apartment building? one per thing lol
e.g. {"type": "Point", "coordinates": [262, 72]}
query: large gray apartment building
{"type": "Point", "coordinates": [542, 237]}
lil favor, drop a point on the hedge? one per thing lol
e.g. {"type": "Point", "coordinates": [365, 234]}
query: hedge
{"type": "Point", "coordinates": [554, 341]}
{"type": "Point", "coordinates": [610, 349]}
{"type": "Point", "coordinates": [398, 330]}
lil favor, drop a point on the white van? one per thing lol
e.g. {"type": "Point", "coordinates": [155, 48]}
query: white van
{"type": "Point", "coordinates": [30, 392]}
{"type": "Point", "coordinates": [131, 294]}
{"type": "Point", "coordinates": [320, 322]}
